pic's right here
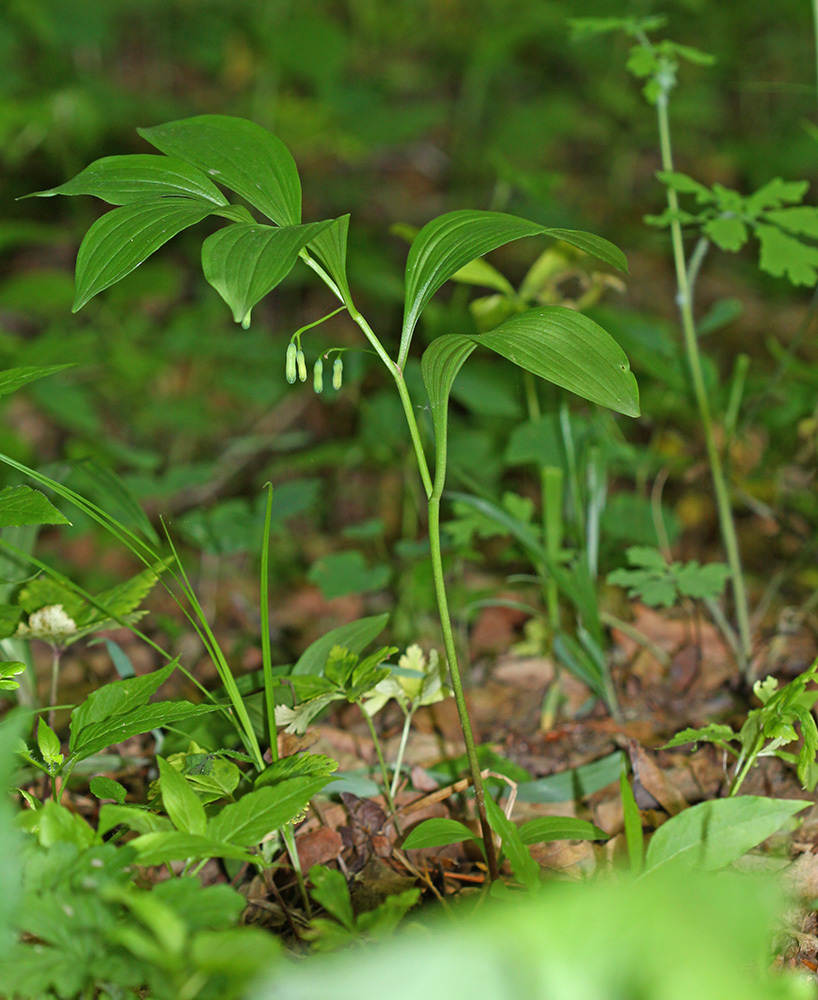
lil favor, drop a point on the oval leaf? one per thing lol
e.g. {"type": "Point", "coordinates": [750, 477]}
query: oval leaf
{"type": "Point", "coordinates": [239, 154]}
{"type": "Point", "coordinates": [438, 832]}
{"type": "Point", "coordinates": [121, 180]}
{"type": "Point", "coordinates": [124, 237]}
{"type": "Point", "coordinates": [547, 828]}
{"type": "Point", "coordinates": [447, 244]}
{"type": "Point", "coordinates": [182, 804]}
{"type": "Point", "coordinates": [711, 835]}
{"type": "Point", "coordinates": [243, 262]}
{"type": "Point", "coordinates": [258, 813]}
{"type": "Point", "coordinates": [570, 350]}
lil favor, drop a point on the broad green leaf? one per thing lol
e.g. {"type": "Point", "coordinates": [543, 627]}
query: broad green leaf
{"type": "Point", "coordinates": [329, 247]}
{"type": "Point", "coordinates": [713, 834]}
{"type": "Point", "coordinates": [258, 813]}
{"type": "Point", "coordinates": [140, 820]}
{"type": "Point", "coordinates": [21, 505]}
{"type": "Point", "coordinates": [181, 803]}
{"type": "Point", "coordinates": [56, 824]}
{"type": "Point", "coordinates": [124, 237]}
{"type": "Point", "coordinates": [547, 828]}
{"type": "Point", "coordinates": [438, 832]}
{"type": "Point", "coordinates": [159, 847]}
{"type": "Point", "coordinates": [331, 891]}
{"type": "Point", "coordinates": [299, 765]}
{"type": "Point", "coordinates": [125, 597]}
{"type": "Point", "coordinates": [106, 788]}
{"type": "Point", "coordinates": [570, 350]}
{"type": "Point", "coordinates": [341, 573]}
{"type": "Point", "coordinates": [141, 720]}
{"type": "Point", "coordinates": [117, 698]}
{"type": "Point", "coordinates": [576, 783]}
{"type": "Point", "coordinates": [525, 868]}
{"type": "Point", "coordinates": [355, 636]}
{"type": "Point", "coordinates": [240, 155]}
{"type": "Point", "coordinates": [121, 180]}
{"type": "Point", "coordinates": [450, 242]}
{"type": "Point", "coordinates": [555, 343]}
{"type": "Point", "coordinates": [48, 743]}
{"type": "Point", "coordinates": [15, 378]}
{"type": "Point", "coordinates": [10, 615]}
{"type": "Point", "coordinates": [245, 262]}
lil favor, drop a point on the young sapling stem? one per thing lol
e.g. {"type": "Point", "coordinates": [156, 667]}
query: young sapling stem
{"type": "Point", "coordinates": [722, 494]}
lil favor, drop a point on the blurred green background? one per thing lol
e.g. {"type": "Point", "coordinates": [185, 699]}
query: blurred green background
{"type": "Point", "coordinates": [395, 112]}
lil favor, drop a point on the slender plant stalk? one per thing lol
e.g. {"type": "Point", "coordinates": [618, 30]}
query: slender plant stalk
{"type": "Point", "coordinates": [722, 494]}
{"type": "Point", "coordinates": [56, 652]}
{"type": "Point", "coordinates": [387, 794]}
{"type": "Point", "coordinates": [407, 722]}
{"type": "Point", "coordinates": [434, 492]}
{"type": "Point", "coordinates": [266, 656]}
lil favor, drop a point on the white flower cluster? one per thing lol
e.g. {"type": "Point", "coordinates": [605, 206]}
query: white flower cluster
{"type": "Point", "coordinates": [51, 624]}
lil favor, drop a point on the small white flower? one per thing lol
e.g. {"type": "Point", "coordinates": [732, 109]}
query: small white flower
{"type": "Point", "coordinates": [50, 623]}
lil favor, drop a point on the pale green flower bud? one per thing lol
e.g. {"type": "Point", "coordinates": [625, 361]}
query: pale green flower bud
{"type": "Point", "coordinates": [301, 362]}
{"type": "Point", "coordinates": [318, 376]}
{"type": "Point", "coordinates": [337, 373]}
{"type": "Point", "coordinates": [290, 366]}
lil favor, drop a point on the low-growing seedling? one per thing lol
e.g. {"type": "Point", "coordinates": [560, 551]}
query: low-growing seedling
{"type": "Point", "coordinates": [767, 729]}
{"type": "Point", "coordinates": [159, 196]}
{"type": "Point", "coordinates": [659, 583]}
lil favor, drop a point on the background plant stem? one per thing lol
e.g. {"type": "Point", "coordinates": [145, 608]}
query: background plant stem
{"type": "Point", "coordinates": [722, 495]}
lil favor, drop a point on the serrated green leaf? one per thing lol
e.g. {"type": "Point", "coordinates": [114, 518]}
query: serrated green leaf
{"type": "Point", "coordinates": [711, 835]}
{"type": "Point", "coordinates": [343, 573]}
{"type": "Point", "coordinates": [15, 378]}
{"type": "Point", "coordinates": [776, 193]}
{"type": "Point", "coordinates": [728, 233]}
{"type": "Point", "coordinates": [245, 262]}
{"type": "Point", "coordinates": [124, 237]}
{"type": "Point", "coordinates": [548, 828]}
{"type": "Point", "coordinates": [259, 812]}
{"type": "Point", "coordinates": [450, 242]}
{"type": "Point", "coordinates": [784, 256]}
{"type": "Point", "coordinates": [120, 180]}
{"type": "Point", "coordinates": [438, 832]}
{"type": "Point", "coordinates": [21, 505]}
{"type": "Point", "coordinates": [103, 734]}
{"type": "Point", "coordinates": [239, 154]}
{"type": "Point", "coordinates": [714, 732]}
{"type": "Point", "coordinates": [181, 803]}
{"type": "Point", "coordinates": [331, 891]}
{"type": "Point", "coordinates": [301, 765]}
{"type": "Point", "coordinates": [801, 220]}
{"type": "Point", "coordinates": [702, 582]}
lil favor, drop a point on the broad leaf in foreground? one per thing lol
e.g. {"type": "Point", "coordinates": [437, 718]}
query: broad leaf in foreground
{"type": "Point", "coordinates": [450, 242]}
{"type": "Point", "coordinates": [21, 505]}
{"type": "Point", "coordinates": [124, 237]}
{"type": "Point", "coordinates": [711, 835]}
{"type": "Point", "coordinates": [121, 180]}
{"type": "Point", "coordinates": [239, 154]}
{"type": "Point", "coordinates": [245, 262]}
{"type": "Point", "coordinates": [259, 812]}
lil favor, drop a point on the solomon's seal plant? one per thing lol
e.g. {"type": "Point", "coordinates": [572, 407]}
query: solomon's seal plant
{"type": "Point", "coordinates": [158, 196]}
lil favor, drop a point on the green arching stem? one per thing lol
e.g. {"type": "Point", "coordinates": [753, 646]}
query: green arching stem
{"type": "Point", "coordinates": [56, 652]}
{"type": "Point", "coordinates": [722, 495]}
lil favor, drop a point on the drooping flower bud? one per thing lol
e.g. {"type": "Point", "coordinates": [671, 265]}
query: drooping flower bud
{"type": "Point", "coordinates": [301, 362]}
{"type": "Point", "coordinates": [337, 373]}
{"type": "Point", "coordinates": [318, 376]}
{"type": "Point", "coordinates": [290, 365]}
